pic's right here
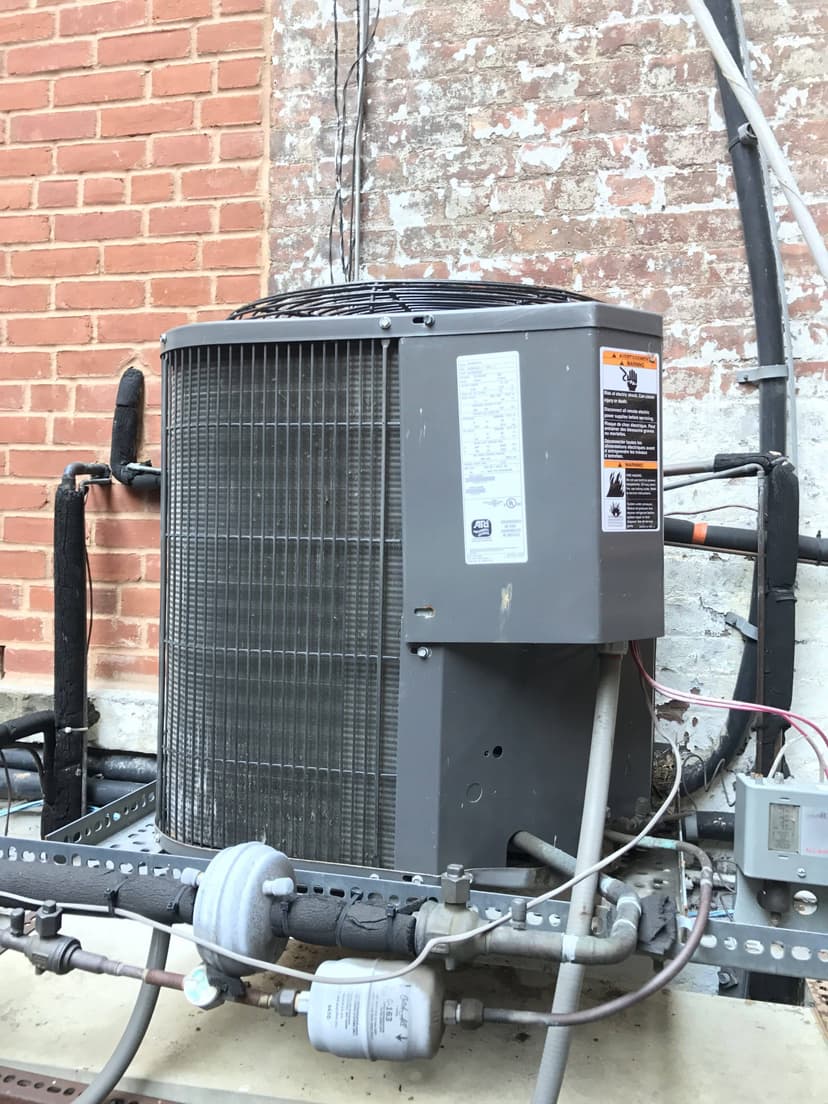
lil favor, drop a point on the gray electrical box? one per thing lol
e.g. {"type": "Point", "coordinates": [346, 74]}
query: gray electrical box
{"type": "Point", "coordinates": [781, 830]}
{"type": "Point", "coordinates": [531, 477]}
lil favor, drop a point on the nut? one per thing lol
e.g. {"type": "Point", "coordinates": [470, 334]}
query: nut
{"type": "Point", "coordinates": [455, 885]}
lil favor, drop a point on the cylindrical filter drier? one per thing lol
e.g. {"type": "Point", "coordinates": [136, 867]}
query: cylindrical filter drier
{"type": "Point", "coordinates": [392, 1019]}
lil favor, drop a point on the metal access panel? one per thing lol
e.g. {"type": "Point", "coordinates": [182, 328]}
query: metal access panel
{"type": "Point", "coordinates": [494, 739]}
{"type": "Point", "coordinates": [531, 468]}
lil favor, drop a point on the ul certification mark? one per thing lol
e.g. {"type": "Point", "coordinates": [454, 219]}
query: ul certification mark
{"type": "Point", "coordinates": [630, 461]}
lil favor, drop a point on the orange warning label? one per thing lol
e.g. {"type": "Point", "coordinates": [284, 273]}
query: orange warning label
{"type": "Point", "coordinates": [630, 483]}
{"type": "Point", "coordinates": [628, 359]}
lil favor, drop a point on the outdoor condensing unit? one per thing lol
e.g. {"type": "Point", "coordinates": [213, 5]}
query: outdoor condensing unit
{"type": "Point", "coordinates": [397, 520]}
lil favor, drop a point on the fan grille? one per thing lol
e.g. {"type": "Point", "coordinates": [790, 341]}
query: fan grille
{"type": "Point", "coordinates": [402, 297]}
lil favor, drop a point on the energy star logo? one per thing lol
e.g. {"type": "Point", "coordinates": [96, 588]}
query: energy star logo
{"type": "Point", "coordinates": [481, 527]}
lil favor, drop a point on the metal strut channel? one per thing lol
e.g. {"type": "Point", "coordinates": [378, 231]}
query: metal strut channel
{"type": "Point", "coordinates": [761, 949]}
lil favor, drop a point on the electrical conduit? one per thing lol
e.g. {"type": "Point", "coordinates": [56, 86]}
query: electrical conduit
{"type": "Point", "coordinates": [571, 974]}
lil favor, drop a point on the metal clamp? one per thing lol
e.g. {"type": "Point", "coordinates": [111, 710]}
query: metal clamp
{"type": "Point", "coordinates": [753, 376]}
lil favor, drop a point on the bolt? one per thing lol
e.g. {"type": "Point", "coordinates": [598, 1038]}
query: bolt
{"type": "Point", "coordinates": [802, 872]}
{"type": "Point", "coordinates": [518, 911]}
{"type": "Point", "coordinates": [455, 870]}
{"type": "Point", "coordinates": [424, 653]}
{"type": "Point", "coordinates": [163, 339]}
{"type": "Point", "coordinates": [428, 320]}
{"type": "Point", "coordinates": [455, 885]}
{"type": "Point", "coordinates": [385, 322]}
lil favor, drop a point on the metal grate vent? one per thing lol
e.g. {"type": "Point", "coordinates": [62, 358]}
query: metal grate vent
{"type": "Point", "coordinates": [402, 297]}
{"type": "Point", "coordinates": [281, 540]}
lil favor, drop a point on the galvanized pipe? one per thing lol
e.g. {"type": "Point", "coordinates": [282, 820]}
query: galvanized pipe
{"type": "Point", "coordinates": [571, 974]}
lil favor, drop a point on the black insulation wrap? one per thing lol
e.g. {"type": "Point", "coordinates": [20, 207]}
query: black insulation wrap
{"type": "Point", "coordinates": [31, 724]}
{"type": "Point", "coordinates": [723, 538]}
{"type": "Point", "coordinates": [332, 922]}
{"type": "Point", "coordinates": [126, 432]}
{"type": "Point", "coordinates": [63, 748]}
{"type": "Point", "coordinates": [158, 897]}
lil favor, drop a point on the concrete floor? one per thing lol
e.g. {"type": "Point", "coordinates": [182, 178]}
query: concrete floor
{"type": "Point", "coordinates": [684, 1045]}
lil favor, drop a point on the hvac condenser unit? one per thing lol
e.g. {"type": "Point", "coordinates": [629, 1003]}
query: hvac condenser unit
{"type": "Point", "coordinates": [397, 520]}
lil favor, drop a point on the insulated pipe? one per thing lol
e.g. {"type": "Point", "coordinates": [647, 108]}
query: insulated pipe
{"type": "Point", "coordinates": [158, 897]}
{"type": "Point", "coordinates": [30, 724]}
{"type": "Point", "coordinates": [64, 761]}
{"type": "Point", "coordinates": [99, 791]}
{"type": "Point", "coordinates": [571, 975]}
{"type": "Point", "coordinates": [723, 538]}
{"type": "Point", "coordinates": [111, 765]}
{"type": "Point", "coordinates": [126, 434]}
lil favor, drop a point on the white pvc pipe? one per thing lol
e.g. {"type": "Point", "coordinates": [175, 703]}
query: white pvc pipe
{"type": "Point", "coordinates": [764, 134]}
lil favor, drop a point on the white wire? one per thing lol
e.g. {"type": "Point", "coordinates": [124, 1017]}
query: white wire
{"type": "Point", "coordinates": [786, 747]}
{"type": "Point", "coordinates": [431, 945]}
{"type": "Point", "coordinates": [764, 134]}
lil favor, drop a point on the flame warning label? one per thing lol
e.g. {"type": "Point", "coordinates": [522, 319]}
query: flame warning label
{"type": "Point", "coordinates": [630, 462]}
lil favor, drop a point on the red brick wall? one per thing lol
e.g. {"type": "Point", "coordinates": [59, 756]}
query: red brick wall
{"type": "Point", "coordinates": [132, 199]}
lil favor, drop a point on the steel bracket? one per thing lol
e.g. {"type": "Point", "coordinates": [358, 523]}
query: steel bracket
{"type": "Point", "coordinates": [753, 376]}
{"type": "Point", "coordinates": [748, 631]}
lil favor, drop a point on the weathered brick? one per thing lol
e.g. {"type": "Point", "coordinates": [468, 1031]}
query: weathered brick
{"type": "Point", "coordinates": [26, 27]}
{"type": "Point", "coordinates": [102, 156]}
{"type": "Point", "coordinates": [57, 193]}
{"type": "Point", "coordinates": [103, 190]}
{"type": "Point", "coordinates": [55, 126]}
{"type": "Point", "coordinates": [230, 35]}
{"type": "Point", "coordinates": [182, 149]}
{"type": "Point", "coordinates": [226, 110]}
{"type": "Point", "coordinates": [96, 88]}
{"type": "Point", "coordinates": [240, 73]}
{"type": "Point", "coordinates": [23, 228]}
{"type": "Point", "coordinates": [173, 221]}
{"type": "Point", "coordinates": [49, 57]}
{"type": "Point", "coordinates": [93, 18]}
{"type": "Point", "coordinates": [15, 197]}
{"type": "Point", "coordinates": [146, 46]}
{"type": "Point", "coordinates": [49, 330]}
{"type": "Point", "coordinates": [154, 187]}
{"type": "Point", "coordinates": [24, 297]}
{"type": "Point", "coordinates": [146, 119]}
{"type": "Point", "coordinates": [150, 257]}
{"type": "Point", "coordinates": [99, 294]}
{"type": "Point", "coordinates": [241, 252]}
{"type": "Point", "coordinates": [97, 226]}
{"type": "Point", "coordinates": [55, 262]}
{"type": "Point", "coordinates": [219, 183]}
{"type": "Point", "coordinates": [182, 79]}
{"type": "Point", "coordinates": [181, 291]}
{"type": "Point", "coordinates": [23, 95]}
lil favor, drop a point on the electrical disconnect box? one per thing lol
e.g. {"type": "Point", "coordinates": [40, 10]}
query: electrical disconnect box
{"type": "Point", "coordinates": [781, 830]}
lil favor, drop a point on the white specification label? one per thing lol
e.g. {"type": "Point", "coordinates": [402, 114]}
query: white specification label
{"type": "Point", "coordinates": [491, 458]}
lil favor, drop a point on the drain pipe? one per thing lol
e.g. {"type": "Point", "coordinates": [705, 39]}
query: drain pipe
{"type": "Point", "coordinates": [571, 974]}
{"type": "Point", "coordinates": [64, 748]}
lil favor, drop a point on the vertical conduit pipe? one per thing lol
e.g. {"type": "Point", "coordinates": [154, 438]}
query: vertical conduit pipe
{"type": "Point", "coordinates": [582, 902]}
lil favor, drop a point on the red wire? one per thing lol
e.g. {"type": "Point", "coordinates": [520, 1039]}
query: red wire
{"type": "Point", "coordinates": [795, 720]}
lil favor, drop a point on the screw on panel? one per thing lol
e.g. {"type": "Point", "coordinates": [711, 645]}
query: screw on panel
{"type": "Point", "coordinates": [424, 653]}
{"type": "Point", "coordinates": [385, 322]}
{"type": "Point", "coordinates": [802, 872]}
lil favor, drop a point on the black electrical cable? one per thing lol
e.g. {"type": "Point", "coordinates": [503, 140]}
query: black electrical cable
{"type": "Point", "coordinates": [9, 789]}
